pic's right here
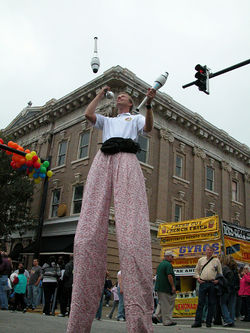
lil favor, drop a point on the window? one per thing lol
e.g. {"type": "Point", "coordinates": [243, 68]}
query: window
{"type": "Point", "coordinates": [179, 166]}
{"type": "Point", "coordinates": [235, 191]}
{"type": "Point", "coordinates": [62, 153]}
{"type": "Point", "coordinates": [210, 178]}
{"type": "Point", "coordinates": [77, 199]}
{"type": "Point", "coordinates": [55, 202]}
{"type": "Point", "coordinates": [177, 213]}
{"type": "Point", "coordinates": [84, 143]}
{"type": "Point", "coordinates": [142, 155]}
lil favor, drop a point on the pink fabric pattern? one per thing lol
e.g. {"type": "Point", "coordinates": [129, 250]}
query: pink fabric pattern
{"type": "Point", "coordinates": [122, 173]}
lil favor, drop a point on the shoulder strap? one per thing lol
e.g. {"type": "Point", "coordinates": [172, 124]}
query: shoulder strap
{"type": "Point", "coordinates": [207, 263]}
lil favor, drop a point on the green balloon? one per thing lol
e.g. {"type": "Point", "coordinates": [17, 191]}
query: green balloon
{"type": "Point", "coordinates": [43, 169]}
{"type": "Point", "coordinates": [46, 164]}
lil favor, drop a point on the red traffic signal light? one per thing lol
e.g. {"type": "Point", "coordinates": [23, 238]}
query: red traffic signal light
{"type": "Point", "coordinates": [202, 77]}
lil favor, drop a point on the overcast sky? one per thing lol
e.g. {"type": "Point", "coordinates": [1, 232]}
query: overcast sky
{"type": "Point", "coordinates": [46, 47]}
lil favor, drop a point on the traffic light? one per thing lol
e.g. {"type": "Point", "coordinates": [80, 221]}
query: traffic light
{"type": "Point", "coordinates": [202, 77]}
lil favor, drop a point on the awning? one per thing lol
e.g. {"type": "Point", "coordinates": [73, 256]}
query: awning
{"type": "Point", "coordinates": [52, 245]}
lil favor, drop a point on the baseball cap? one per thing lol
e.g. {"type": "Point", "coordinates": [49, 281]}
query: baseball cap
{"type": "Point", "coordinates": [169, 253]}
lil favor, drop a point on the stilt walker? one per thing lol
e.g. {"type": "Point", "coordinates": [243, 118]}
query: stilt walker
{"type": "Point", "coordinates": [115, 168]}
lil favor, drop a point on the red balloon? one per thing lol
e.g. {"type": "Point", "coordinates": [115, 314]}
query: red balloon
{"type": "Point", "coordinates": [22, 160]}
{"type": "Point", "coordinates": [35, 158]}
{"type": "Point", "coordinates": [19, 148]}
{"type": "Point", "coordinates": [37, 165]}
{"type": "Point", "coordinates": [29, 163]}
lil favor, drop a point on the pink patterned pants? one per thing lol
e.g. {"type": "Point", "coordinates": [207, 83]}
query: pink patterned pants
{"type": "Point", "coordinates": [122, 174]}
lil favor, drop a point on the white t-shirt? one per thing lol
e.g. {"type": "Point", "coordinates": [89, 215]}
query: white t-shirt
{"type": "Point", "coordinates": [124, 126]}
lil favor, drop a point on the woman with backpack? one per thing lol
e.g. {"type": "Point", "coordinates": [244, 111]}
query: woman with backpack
{"type": "Point", "coordinates": [228, 298]}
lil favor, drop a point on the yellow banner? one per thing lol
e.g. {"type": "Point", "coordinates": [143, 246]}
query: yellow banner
{"type": "Point", "coordinates": [185, 307]}
{"type": "Point", "coordinates": [192, 250]}
{"type": "Point", "coordinates": [191, 238]}
{"type": "Point", "coordinates": [239, 249]}
{"type": "Point", "coordinates": [190, 262]}
{"type": "Point", "coordinates": [206, 225]}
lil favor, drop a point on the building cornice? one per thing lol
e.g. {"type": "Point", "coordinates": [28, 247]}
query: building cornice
{"type": "Point", "coordinates": [122, 79]}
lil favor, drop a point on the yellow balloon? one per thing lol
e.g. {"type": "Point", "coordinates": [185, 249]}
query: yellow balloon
{"type": "Point", "coordinates": [49, 173]}
{"type": "Point", "coordinates": [33, 153]}
{"type": "Point", "coordinates": [37, 180]}
{"type": "Point", "coordinates": [39, 161]}
{"type": "Point", "coordinates": [28, 157]}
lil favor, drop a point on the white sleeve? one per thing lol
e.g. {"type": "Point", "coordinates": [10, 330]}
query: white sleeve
{"type": "Point", "coordinates": [140, 123]}
{"type": "Point", "coordinates": [99, 121]}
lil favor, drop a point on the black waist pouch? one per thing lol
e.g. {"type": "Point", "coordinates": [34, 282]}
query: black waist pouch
{"type": "Point", "coordinates": [116, 145]}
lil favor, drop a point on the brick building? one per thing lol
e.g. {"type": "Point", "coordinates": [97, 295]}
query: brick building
{"type": "Point", "coordinates": [192, 169]}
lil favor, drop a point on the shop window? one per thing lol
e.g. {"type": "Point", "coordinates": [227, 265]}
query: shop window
{"type": "Point", "coordinates": [62, 153]}
{"type": "Point", "coordinates": [143, 154]}
{"type": "Point", "coordinates": [84, 145]}
{"type": "Point", "coordinates": [210, 178]}
{"type": "Point", "coordinates": [55, 202]}
{"type": "Point", "coordinates": [77, 199]}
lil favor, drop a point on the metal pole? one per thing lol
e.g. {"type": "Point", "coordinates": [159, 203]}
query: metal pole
{"type": "Point", "coordinates": [15, 151]}
{"type": "Point", "coordinates": [41, 215]}
{"type": "Point", "coordinates": [243, 63]}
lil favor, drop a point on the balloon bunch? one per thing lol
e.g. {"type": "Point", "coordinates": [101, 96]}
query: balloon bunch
{"type": "Point", "coordinates": [28, 161]}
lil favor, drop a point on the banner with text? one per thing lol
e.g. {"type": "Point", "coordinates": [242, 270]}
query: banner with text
{"type": "Point", "coordinates": [237, 241]}
{"type": "Point", "coordinates": [185, 252]}
{"type": "Point", "coordinates": [190, 230]}
{"type": "Point", "coordinates": [185, 307]}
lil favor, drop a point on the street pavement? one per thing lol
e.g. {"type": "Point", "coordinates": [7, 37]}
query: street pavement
{"type": "Point", "coordinates": [29, 322]}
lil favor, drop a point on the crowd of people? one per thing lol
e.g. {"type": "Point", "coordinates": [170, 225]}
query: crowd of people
{"type": "Point", "coordinates": [48, 285]}
{"type": "Point", "coordinates": [223, 289]}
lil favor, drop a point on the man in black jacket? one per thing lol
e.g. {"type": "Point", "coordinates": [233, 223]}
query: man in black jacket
{"type": "Point", "coordinates": [67, 287]}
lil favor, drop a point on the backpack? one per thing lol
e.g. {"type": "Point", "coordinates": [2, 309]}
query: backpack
{"type": "Point", "coordinates": [15, 281]}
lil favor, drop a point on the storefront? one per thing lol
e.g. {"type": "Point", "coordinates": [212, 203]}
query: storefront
{"type": "Point", "coordinates": [189, 240]}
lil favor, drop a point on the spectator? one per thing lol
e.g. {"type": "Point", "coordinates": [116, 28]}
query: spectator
{"type": "Point", "coordinates": [238, 306]}
{"type": "Point", "coordinates": [227, 299]}
{"type": "Point", "coordinates": [50, 274]}
{"type": "Point", "coordinates": [244, 292]}
{"type": "Point", "coordinates": [20, 291]}
{"type": "Point", "coordinates": [205, 272]}
{"type": "Point", "coordinates": [26, 272]}
{"type": "Point", "coordinates": [121, 310]}
{"type": "Point", "coordinates": [107, 289]}
{"type": "Point", "coordinates": [115, 301]}
{"type": "Point", "coordinates": [67, 288]}
{"type": "Point", "coordinates": [5, 271]}
{"type": "Point", "coordinates": [166, 289]}
{"type": "Point", "coordinates": [59, 295]}
{"type": "Point", "coordinates": [33, 284]}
